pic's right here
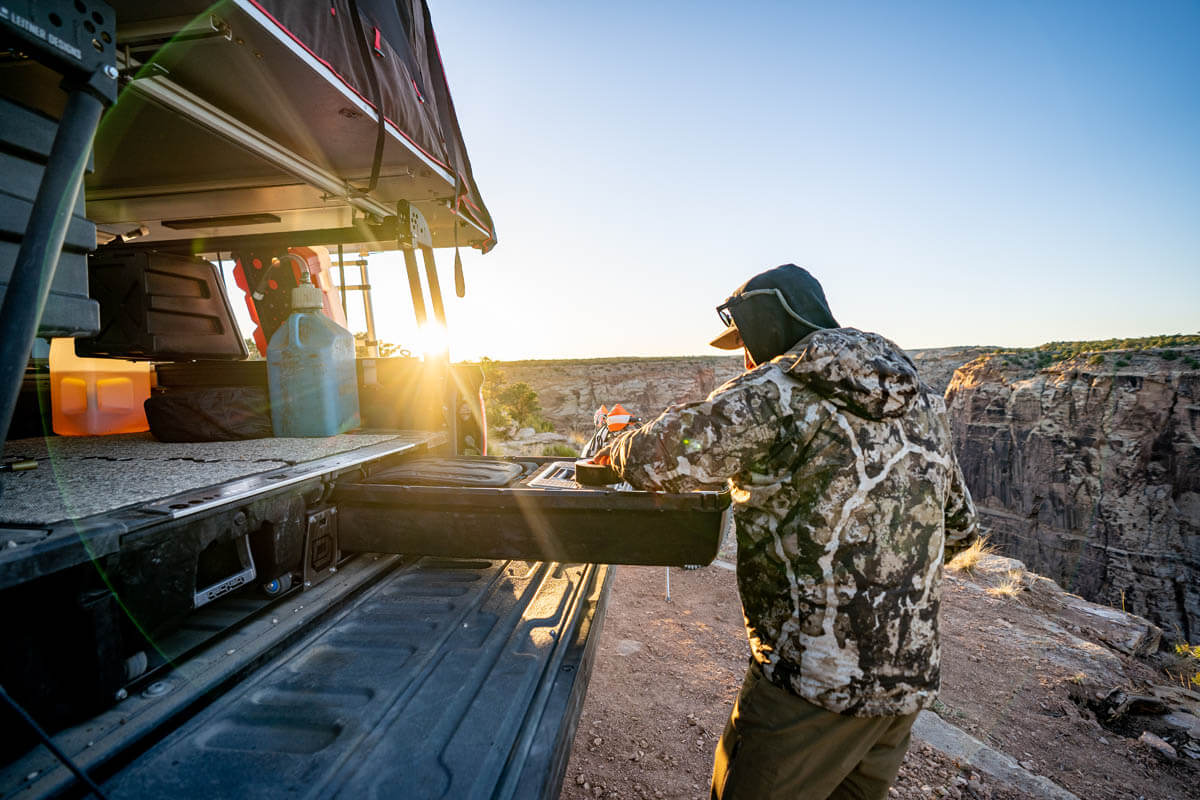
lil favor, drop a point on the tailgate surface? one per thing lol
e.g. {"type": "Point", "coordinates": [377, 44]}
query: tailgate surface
{"type": "Point", "coordinates": [446, 679]}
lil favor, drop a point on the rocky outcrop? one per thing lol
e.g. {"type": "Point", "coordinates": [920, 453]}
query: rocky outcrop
{"type": "Point", "coordinates": [1089, 471]}
{"type": "Point", "coordinates": [936, 365]}
{"type": "Point", "coordinates": [571, 391]}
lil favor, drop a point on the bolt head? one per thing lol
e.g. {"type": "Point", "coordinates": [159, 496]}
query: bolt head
{"type": "Point", "coordinates": [110, 71]}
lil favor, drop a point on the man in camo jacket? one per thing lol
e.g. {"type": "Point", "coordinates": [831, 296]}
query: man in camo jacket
{"type": "Point", "coordinates": [846, 498]}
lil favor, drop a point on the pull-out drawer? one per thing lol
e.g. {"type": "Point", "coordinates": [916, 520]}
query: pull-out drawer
{"type": "Point", "coordinates": [524, 508]}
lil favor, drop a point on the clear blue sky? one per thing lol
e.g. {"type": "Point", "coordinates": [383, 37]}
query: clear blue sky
{"type": "Point", "coordinates": [954, 173]}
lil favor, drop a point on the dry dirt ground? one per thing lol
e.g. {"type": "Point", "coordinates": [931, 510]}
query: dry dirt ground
{"type": "Point", "coordinates": [666, 675]}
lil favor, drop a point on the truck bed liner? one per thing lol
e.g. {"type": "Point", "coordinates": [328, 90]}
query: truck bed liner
{"type": "Point", "coordinates": [445, 679]}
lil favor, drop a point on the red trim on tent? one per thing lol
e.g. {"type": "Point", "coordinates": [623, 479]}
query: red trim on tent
{"type": "Point", "coordinates": [350, 86]}
{"type": "Point", "coordinates": [409, 139]}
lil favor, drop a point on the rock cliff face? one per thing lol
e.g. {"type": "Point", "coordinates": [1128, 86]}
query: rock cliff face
{"type": "Point", "coordinates": [937, 364]}
{"type": "Point", "coordinates": [1090, 473]}
{"type": "Point", "coordinates": [571, 391]}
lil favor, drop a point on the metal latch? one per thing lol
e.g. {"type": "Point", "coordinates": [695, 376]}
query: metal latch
{"type": "Point", "coordinates": [321, 549]}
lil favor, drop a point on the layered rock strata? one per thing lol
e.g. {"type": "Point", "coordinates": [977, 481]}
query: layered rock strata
{"type": "Point", "coordinates": [1089, 471]}
{"type": "Point", "coordinates": [571, 391]}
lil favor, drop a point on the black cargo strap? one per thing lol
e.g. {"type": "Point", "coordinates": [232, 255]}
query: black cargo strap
{"type": "Point", "coordinates": [373, 80]}
{"type": "Point", "coordinates": [50, 745]}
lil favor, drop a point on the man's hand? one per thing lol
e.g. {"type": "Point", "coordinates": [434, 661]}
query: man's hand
{"type": "Point", "coordinates": [603, 455]}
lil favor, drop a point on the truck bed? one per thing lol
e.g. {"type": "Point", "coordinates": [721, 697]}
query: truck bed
{"type": "Point", "coordinates": [425, 678]}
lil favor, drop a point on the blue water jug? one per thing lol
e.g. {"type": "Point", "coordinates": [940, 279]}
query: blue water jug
{"type": "Point", "coordinates": [310, 370]}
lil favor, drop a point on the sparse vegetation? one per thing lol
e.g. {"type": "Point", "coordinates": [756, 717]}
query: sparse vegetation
{"type": "Point", "coordinates": [560, 450]}
{"type": "Point", "coordinates": [1054, 352]}
{"type": "Point", "coordinates": [1186, 667]}
{"type": "Point", "coordinates": [968, 559]}
{"type": "Point", "coordinates": [510, 404]}
{"type": "Point", "coordinates": [1011, 587]}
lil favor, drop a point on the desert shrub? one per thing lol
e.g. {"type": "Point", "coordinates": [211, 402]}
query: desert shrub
{"type": "Point", "coordinates": [493, 380]}
{"type": "Point", "coordinates": [1191, 362]}
{"type": "Point", "coordinates": [521, 403]}
{"type": "Point", "coordinates": [967, 559]}
{"type": "Point", "coordinates": [560, 450]}
{"type": "Point", "coordinates": [1096, 359]}
{"type": "Point", "coordinates": [1169, 355]}
{"type": "Point", "coordinates": [1010, 588]}
{"type": "Point", "coordinates": [1054, 352]}
{"type": "Point", "coordinates": [510, 404]}
{"type": "Point", "coordinates": [1186, 666]}
{"type": "Point", "coordinates": [1122, 362]}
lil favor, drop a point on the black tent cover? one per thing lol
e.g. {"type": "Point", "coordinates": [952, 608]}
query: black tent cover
{"type": "Point", "coordinates": [394, 40]}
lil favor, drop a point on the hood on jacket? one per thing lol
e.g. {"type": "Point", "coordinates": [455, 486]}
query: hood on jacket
{"type": "Point", "coordinates": [774, 310]}
{"type": "Point", "coordinates": [864, 373]}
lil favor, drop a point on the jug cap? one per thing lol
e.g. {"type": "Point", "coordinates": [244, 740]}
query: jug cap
{"type": "Point", "coordinates": [306, 297]}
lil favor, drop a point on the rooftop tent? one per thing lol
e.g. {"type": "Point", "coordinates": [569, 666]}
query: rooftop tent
{"type": "Point", "coordinates": [266, 110]}
{"type": "Point", "coordinates": [389, 58]}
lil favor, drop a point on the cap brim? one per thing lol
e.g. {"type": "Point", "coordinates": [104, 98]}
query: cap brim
{"type": "Point", "coordinates": [730, 339]}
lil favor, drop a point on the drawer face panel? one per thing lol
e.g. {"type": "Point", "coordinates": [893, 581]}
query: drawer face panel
{"type": "Point", "coordinates": [540, 513]}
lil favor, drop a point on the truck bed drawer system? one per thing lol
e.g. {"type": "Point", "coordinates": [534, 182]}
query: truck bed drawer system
{"type": "Point", "coordinates": [454, 667]}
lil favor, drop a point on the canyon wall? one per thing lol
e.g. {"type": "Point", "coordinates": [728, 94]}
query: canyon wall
{"type": "Point", "coordinates": [1089, 471]}
{"type": "Point", "coordinates": [570, 391]}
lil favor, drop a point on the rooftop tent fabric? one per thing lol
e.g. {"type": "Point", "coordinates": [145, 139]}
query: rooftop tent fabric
{"type": "Point", "coordinates": [401, 50]}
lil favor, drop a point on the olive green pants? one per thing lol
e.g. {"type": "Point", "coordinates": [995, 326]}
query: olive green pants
{"type": "Point", "coordinates": [778, 745]}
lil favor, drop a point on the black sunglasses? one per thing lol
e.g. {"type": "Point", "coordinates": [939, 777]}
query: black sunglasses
{"type": "Point", "coordinates": [727, 318]}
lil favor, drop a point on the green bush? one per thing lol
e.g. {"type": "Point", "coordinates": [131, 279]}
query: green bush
{"type": "Point", "coordinates": [1096, 359]}
{"type": "Point", "coordinates": [1053, 352]}
{"type": "Point", "coordinates": [509, 403]}
{"type": "Point", "coordinates": [521, 403]}
{"type": "Point", "coordinates": [559, 450]}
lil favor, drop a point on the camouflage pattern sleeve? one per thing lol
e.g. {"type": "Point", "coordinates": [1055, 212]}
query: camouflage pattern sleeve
{"type": "Point", "coordinates": [701, 445]}
{"type": "Point", "coordinates": [962, 521]}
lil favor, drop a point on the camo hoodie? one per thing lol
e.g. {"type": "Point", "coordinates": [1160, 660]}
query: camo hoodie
{"type": "Point", "coordinates": [846, 494]}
